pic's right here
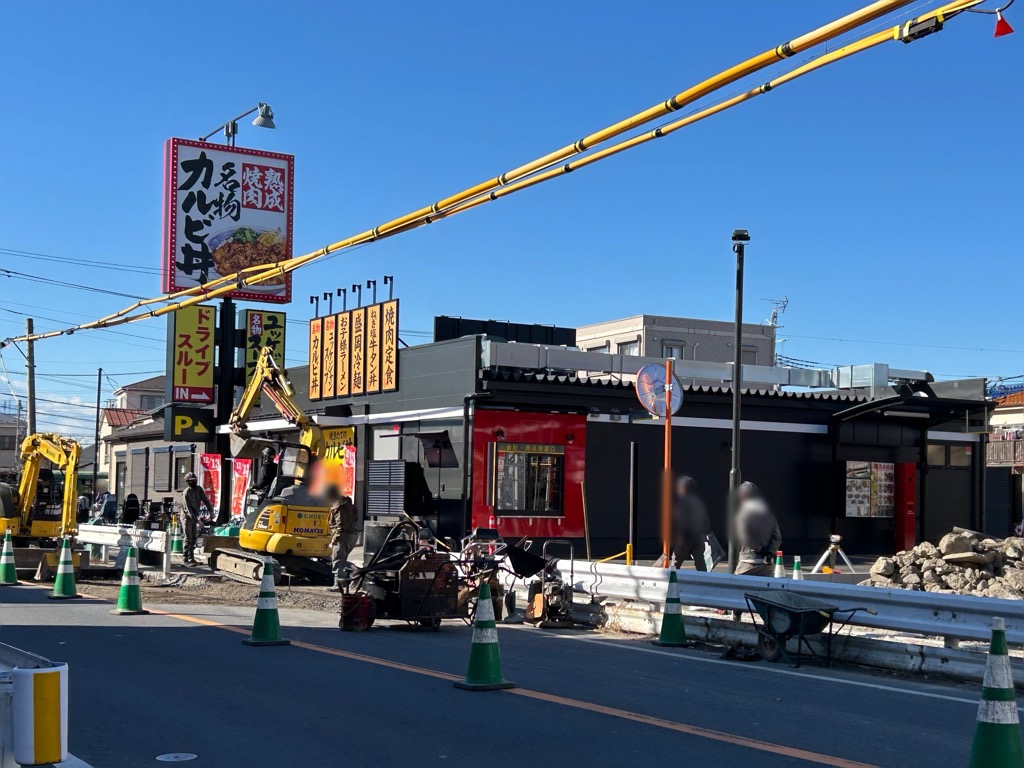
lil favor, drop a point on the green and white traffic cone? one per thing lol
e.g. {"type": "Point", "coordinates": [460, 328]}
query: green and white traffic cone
{"type": "Point", "coordinates": [997, 742]}
{"type": "Point", "coordinates": [780, 566]}
{"type": "Point", "coordinates": [673, 634]}
{"type": "Point", "coordinates": [798, 575]}
{"type": "Point", "coordinates": [484, 672]}
{"type": "Point", "coordinates": [129, 600]}
{"type": "Point", "coordinates": [64, 585]}
{"type": "Point", "coordinates": [8, 573]}
{"type": "Point", "coordinates": [177, 546]}
{"type": "Point", "coordinates": [266, 627]}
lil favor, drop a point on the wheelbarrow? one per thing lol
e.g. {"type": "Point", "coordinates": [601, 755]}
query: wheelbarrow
{"type": "Point", "coordinates": [785, 615]}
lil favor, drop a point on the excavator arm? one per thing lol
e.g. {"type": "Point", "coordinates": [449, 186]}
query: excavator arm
{"type": "Point", "coordinates": [271, 381]}
{"type": "Point", "coordinates": [64, 454]}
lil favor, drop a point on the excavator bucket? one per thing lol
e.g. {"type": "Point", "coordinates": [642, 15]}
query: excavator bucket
{"type": "Point", "coordinates": [248, 447]}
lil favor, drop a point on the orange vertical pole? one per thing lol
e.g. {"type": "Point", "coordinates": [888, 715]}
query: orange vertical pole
{"type": "Point", "coordinates": [666, 482]}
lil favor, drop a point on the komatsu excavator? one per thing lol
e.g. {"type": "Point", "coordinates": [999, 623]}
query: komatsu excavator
{"type": "Point", "coordinates": [19, 512]}
{"type": "Point", "coordinates": [289, 524]}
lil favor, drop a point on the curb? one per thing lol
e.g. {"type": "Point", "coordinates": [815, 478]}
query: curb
{"type": "Point", "coordinates": [882, 654]}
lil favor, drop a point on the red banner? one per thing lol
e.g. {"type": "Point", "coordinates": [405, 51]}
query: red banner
{"type": "Point", "coordinates": [209, 478]}
{"type": "Point", "coordinates": [241, 470]}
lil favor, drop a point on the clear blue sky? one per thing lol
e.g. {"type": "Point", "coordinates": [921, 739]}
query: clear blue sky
{"type": "Point", "coordinates": [881, 193]}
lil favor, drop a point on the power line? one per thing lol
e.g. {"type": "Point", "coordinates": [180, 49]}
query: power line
{"type": "Point", "coordinates": [120, 267]}
{"type": "Point", "coordinates": [909, 344]}
{"type": "Point", "coordinates": [62, 284]}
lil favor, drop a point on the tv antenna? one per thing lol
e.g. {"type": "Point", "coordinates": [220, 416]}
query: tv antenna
{"type": "Point", "coordinates": [778, 307]}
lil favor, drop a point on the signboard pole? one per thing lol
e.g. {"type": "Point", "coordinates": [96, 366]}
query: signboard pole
{"type": "Point", "coordinates": [666, 482]}
{"type": "Point", "coordinates": [225, 394]}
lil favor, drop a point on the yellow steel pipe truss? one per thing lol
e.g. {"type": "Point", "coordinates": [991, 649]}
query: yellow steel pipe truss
{"type": "Point", "coordinates": [554, 164]}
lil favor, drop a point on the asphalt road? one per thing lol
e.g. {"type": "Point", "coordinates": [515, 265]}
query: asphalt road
{"type": "Point", "coordinates": [142, 686]}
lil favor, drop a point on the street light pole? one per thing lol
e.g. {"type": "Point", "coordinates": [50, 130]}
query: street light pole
{"type": "Point", "coordinates": [740, 238]}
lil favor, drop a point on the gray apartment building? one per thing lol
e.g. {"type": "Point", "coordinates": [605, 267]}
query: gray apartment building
{"type": "Point", "coordinates": [10, 435]}
{"type": "Point", "coordinates": [682, 338]}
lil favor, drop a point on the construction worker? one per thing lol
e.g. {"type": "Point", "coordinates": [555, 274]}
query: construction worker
{"type": "Point", "coordinates": [342, 522]}
{"type": "Point", "coordinates": [690, 524]}
{"type": "Point", "coordinates": [192, 503]}
{"type": "Point", "coordinates": [757, 532]}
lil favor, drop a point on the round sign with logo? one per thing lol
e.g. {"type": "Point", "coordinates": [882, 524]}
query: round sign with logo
{"type": "Point", "coordinates": [650, 389]}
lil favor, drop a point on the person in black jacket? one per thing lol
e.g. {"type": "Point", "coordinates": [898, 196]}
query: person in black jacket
{"type": "Point", "coordinates": [690, 524]}
{"type": "Point", "coordinates": [268, 473]}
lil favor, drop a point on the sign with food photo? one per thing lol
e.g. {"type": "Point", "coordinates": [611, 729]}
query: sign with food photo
{"type": "Point", "coordinates": [225, 209]}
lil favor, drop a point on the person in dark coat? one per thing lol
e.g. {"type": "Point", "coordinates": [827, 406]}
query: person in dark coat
{"type": "Point", "coordinates": [690, 524]}
{"type": "Point", "coordinates": [757, 533]}
{"type": "Point", "coordinates": [268, 473]}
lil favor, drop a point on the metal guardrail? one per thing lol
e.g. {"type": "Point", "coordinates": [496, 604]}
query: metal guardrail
{"type": "Point", "coordinates": [122, 536]}
{"type": "Point", "coordinates": [962, 617]}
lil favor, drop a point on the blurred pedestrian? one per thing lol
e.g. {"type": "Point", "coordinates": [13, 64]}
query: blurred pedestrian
{"type": "Point", "coordinates": [757, 533]}
{"type": "Point", "coordinates": [194, 500]}
{"type": "Point", "coordinates": [690, 524]}
{"type": "Point", "coordinates": [343, 522]}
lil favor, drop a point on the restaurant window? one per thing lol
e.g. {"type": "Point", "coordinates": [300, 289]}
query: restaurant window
{"type": "Point", "coordinates": [526, 480]}
{"type": "Point", "coordinates": [161, 460]}
{"type": "Point", "coordinates": [960, 455]}
{"type": "Point", "coordinates": [936, 455]}
{"type": "Point", "coordinates": [629, 348]}
{"type": "Point", "coordinates": [182, 466]}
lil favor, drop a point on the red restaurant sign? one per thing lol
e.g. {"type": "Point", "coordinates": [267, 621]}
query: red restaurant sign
{"type": "Point", "coordinates": [225, 209]}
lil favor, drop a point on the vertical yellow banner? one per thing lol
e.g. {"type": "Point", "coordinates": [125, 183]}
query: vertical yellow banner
{"type": "Point", "coordinates": [329, 367]}
{"type": "Point", "coordinates": [343, 377]}
{"type": "Point", "coordinates": [315, 358]}
{"type": "Point", "coordinates": [358, 351]}
{"type": "Point", "coordinates": [389, 346]}
{"type": "Point", "coordinates": [373, 348]}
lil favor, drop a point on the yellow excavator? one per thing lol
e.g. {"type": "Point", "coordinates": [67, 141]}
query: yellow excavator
{"type": "Point", "coordinates": [289, 523]}
{"type": "Point", "coordinates": [19, 512]}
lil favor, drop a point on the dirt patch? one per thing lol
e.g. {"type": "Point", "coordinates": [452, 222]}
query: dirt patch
{"type": "Point", "coordinates": [216, 590]}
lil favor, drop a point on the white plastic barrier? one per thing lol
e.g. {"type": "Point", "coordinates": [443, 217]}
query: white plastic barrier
{"type": "Point", "coordinates": [41, 715]}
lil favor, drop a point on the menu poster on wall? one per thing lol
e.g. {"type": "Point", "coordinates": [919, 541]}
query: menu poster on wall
{"type": "Point", "coordinates": [241, 469]}
{"type": "Point", "coordinates": [209, 479]}
{"type": "Point", "coordinates": [870, 489]}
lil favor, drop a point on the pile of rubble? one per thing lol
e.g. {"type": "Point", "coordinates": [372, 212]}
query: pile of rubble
{"type": "Point", "coordinates": [963, 563]}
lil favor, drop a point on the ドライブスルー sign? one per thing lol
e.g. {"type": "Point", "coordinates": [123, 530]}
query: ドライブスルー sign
{"type": "Point", "coordinates": [190, 345]}
{"type": "Point", "coordinates": [225, 209]}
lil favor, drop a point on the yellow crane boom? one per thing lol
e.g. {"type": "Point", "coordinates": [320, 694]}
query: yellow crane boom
{"type": "Point", "coordinates": [270, 380]}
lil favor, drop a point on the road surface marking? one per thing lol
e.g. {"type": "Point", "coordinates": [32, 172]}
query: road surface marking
{"type": "Point", "coordinates": [636, 717]}
{"type": "Point", "coordinates": [627, 645]}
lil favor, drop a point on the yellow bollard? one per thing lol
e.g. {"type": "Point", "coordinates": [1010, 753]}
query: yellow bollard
{"type": "Point", "coordinates": [40, 700]}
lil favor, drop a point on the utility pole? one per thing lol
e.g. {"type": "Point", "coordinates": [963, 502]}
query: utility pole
{"type": "Point", "coordinates": [740, 238]}
{"type": "Point", "coordinates": [225, 404]}
{"type": "Point", "coordinates": [96, 434]}
{"type": "Point", "coordinates": [30, 375]}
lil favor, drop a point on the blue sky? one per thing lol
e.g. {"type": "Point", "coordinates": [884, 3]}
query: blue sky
{"type": "Point", "coordinates": [880, 192]}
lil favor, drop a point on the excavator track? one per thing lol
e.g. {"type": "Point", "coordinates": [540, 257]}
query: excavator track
{"type": "Point", "coordinates": [241, 565]}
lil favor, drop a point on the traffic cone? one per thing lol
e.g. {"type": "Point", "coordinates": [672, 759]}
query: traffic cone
{"type": "Point", "coordinates": [266, 627]}
{"type": "Point", "coordinates": [997, 735]}
{"type": "Point", "coordinates": [673, 633]}
{"type": "Point", "coordinates": [64, 584]}
{"type": "Point", "coordinates": [8, 574]}
{"type": "Point", "coordinates": [177, 548]}
{"type": "Point", "coordinates": [798, 575]}
{"type": "Point", "coordinates": [780, 566]}
{"type": "Point", "coordinates": [129, 600]}
{"type": "Point", "coordinates": [484, 673]}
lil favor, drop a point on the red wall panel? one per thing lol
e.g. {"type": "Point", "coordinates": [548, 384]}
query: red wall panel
{"type": "Point", "coordinates": [567, 430]}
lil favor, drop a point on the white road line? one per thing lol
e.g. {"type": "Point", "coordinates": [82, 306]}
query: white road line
{"type": "Point", "coordinates": [629, 646]}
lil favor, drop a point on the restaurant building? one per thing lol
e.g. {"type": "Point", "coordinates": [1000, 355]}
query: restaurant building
{"type": "Point", "coordinates": [485, 432]}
